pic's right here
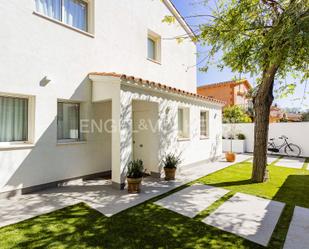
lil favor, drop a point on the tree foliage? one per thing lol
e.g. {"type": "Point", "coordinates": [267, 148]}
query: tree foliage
{"type": "Point", "coordinates": [254, 34]}
{"type": "Point", "coordinates": [306, 116]}
{"type": "Point", "coordinates": [235, 114]}
{"type": "Point", "coordinates": [266, 38]}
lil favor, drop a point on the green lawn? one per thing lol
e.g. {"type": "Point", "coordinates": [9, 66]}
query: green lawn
{"type": "Point", "coordinates": [150, 226]}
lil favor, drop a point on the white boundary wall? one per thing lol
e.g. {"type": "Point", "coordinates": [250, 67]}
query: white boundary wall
{"type": "Point", "coordinates": [298, 133]}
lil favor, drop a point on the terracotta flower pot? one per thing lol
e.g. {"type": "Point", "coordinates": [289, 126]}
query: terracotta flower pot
{"type": "Point", "coordinates": [170, 173]}
{"type": "Point", "coordinates": [134, 185]}
{"type": "Point", "coordinates": [230, 157]}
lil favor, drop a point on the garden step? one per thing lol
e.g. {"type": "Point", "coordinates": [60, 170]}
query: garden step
{"type": "Point", "coordinates": [192, 200]}
{"type": "Point", "coordinates": [247, 216]}
{"type": "Point", "coordinates": [296, 163]}
{"type": "Point", "coordinates": [297, 237]}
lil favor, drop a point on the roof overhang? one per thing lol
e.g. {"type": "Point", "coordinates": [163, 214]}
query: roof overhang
{"type": "Point", "coordinates": [150, 85]}
{"type": "Point", "coordinates": [179, 18]}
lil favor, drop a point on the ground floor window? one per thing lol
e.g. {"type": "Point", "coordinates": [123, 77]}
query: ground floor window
{"type": "Point", "coordinates": [68, 119]}
{"type": "Point", "coordinates": [183, 123]}
{"type": "Point", "coordinates": [204, 124]}
{"type": "Point", "coordinates": [13, 119]}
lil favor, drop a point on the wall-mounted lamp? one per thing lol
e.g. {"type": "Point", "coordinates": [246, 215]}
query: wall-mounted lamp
{"type": "Point", "coordinates": [44, 81]}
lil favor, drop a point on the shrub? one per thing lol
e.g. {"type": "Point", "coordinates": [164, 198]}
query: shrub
{"type": "Point", "coordinates": [235, 114]}
{"type": "Point", "coordinates": [171, 161]}
{"type": "Point", "coordinates": [135, 169]}
{"type": "Point", "coordinates": [241, 136]}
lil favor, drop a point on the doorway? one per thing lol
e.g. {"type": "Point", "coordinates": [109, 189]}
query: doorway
{"type": "Point", "coordinates": [146, 135]}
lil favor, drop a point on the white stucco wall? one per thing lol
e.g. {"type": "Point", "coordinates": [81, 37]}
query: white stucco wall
{"type": "Point", "coordinates": [66, 56]}
{"type": "Point", "coordinates": [33, 47]}
{"type": "Point", "coordinates": [296, 132]}
{"type": "Point", "coordinates": [48, 161]}
{"type": "Point", "coordinates": [192, 150]}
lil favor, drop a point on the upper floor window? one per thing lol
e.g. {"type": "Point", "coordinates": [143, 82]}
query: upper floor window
{"type": "Point", "coordinates": [153, 47]}
{"type": "Point", "coordinates": [71, 12]}
{"type": "Point", "coordinates": [68, 119]}
{"type": "Point", "coordinates": [13, 119]}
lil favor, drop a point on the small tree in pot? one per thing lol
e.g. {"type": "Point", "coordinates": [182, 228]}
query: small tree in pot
{"type": "Point", "coordinates": [170, 163]}
{"type": "Point", "coordinates": [230, 155]}
{"type": "Point", "coordinates": [135, 175]}
{"type": "Point", "coordinates": [232, 115]}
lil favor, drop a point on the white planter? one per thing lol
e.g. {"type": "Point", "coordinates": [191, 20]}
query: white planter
{"type": "Point", "coordinates": [238, 146]}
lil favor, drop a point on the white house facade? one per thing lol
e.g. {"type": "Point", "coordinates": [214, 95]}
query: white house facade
{"type": "Point", "coordinates": [64, 115]}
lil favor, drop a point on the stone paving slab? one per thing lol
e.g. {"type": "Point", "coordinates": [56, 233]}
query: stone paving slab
{"type": "Point", "coordinates": [289, 162]}
{"type": "Point", "coordinates": [270, 159]}
{"type": "Point", "coordinates": [99, 194]}
{"type": "Point", "coordinates": [192, 200]}
{"type": "Point", "coordinates": [298, 234]}
{"type": "Point", "coordinates": [247, 216]}
{"type": "Point", "coordinates": [12, 211]}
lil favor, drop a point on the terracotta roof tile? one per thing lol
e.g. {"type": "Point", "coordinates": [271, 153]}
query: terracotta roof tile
{"type": "Point", "coordinates": [159, 86]}
{"type": "Point", "coordinates": [231, 82]}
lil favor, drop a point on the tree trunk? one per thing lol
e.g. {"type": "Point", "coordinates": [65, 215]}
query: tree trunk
{"type": "Point", "coordinates": [262, 103]}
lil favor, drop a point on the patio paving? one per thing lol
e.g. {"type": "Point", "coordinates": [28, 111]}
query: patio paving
{"type": "Point", "coordinates": [296, 163]}
{"type": "Point", "coordinates": [192, 200]}
{"type": "Point", "coordinates": [247, 216]}
{"type": "Point", "coordinates": [270, 159]}
{"type": "Point", "coordinates": [99, 194]}
{"type": "Point", "coordinates": [297, 237]}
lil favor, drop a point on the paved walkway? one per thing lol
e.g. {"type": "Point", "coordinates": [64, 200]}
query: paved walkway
{"type": "Point", "coordinates": [270, 159]}
{"type": "Point", "coordinates": [247, 216]}
{"type": "Point", "coordinates": [99, 194]}
{"type": "Point", "coordinates": [298, 234]}
{"type": "Point", "coordinates": [290, 162]}
{"type": "Point", "coordinates": [192, 200]}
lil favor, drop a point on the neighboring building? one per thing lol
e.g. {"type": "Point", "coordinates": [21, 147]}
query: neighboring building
{"type": "Point", "coordinates": [279, 115]}
{"type": "Point", "coordinates": [292, 117]}
{"type": "Point", "coordinates": [276, 114]}
{"type": "Point", "coordinates": [231, 92]}
{"type": "Point", "coordinates": [237, 93]}
{"type": "Point", "coordinates": [55, 94]}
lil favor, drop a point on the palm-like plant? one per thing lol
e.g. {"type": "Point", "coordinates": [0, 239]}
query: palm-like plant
{"type": "Point", "coordinates": [135, 169]}
{"type": "Point", "coordinates": [171, 161]}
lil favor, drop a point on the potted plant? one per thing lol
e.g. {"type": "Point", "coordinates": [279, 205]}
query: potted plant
{"type": "Point", "coordinates": [170, 163]}
{"type": "Point", "coordinates": [230, 155]}
{"type": "Point", "coordinates": [232, 115]}
{"type": "Point", "coordinates": [241, 136]}
{"type": "Point", "coordinates": [135, 175]}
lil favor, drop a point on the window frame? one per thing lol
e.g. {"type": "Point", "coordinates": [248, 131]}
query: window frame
{"type": "Point", "coordinates": [30, 121]}
{"type": "Point", "coordinates": [185, 133]}
{"type": "Point", "coordinates": [157, 46]}
{"type": "Point", "coordinates": [154, 48]}
{"type": "Point", "coordinates": [89, 18]}
{"type": "Point", "coordinates": [206, 125]}
{"type": "Point", "coordinates": [70, 140]}
{"type": "Point", "coordinates": [86, 17]}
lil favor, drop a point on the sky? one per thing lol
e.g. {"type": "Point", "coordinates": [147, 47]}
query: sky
{"type": "Point", "coordinates": [194, 7]}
